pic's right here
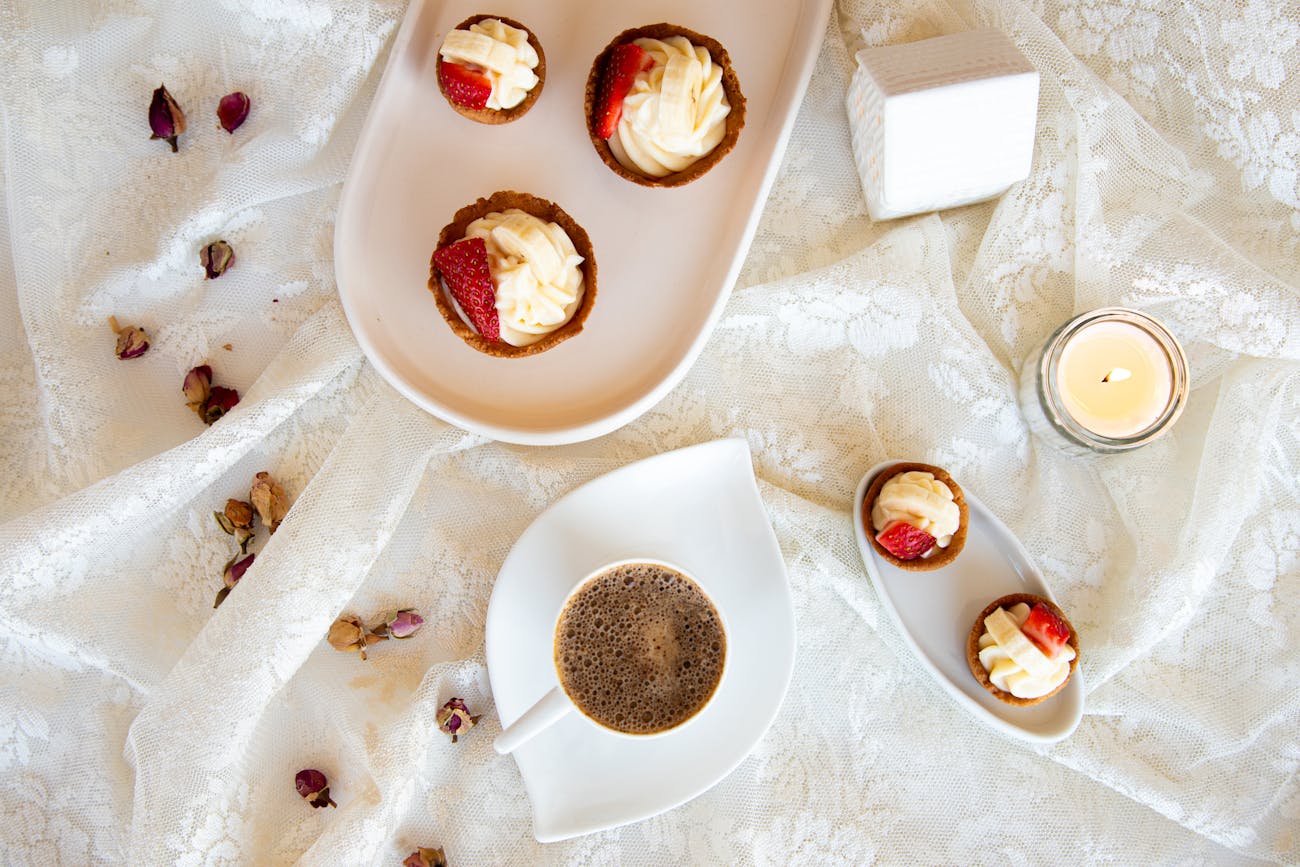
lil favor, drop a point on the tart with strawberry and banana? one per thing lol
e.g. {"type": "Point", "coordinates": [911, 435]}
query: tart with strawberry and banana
{"type": "Point", "coordinates": [513, 275]}
{"type": "Point", "coordinates": [1022, 649]}
{"type": "Point", "coordinates": [491, 69]}
{"type": "Point", "coordinates": [663, 105]}
{"type": "Point", "coordinates": [915, 516]}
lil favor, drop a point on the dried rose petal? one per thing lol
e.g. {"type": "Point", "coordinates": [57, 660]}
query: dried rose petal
{"type": "Point", "coordinates": [400, 624]}
{"type": "Point", "coordinates": [216, 258]}
{"type": "Point", "coordinates": [348, 635]}
{"type": "Point", "coordinates": [269, 499]}
{"type": "Point", "coordinates": [221, 401]}
{"type": "Point", "coordinates": [233, 110]}
{"type": "Point", "coordinates": [454, 719]}
{"type": "Point", "coordinates": [423, 857]}
{"type": "Point", "coordinates": [313, 787]}
{"type": "Point", "coordinates": [165, 117]}
{"type": "Point", "coordinates": [197, 387]}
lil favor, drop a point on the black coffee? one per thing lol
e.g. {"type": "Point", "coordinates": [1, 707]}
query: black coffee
{"type": "Point", "coordinates": [640, 648]}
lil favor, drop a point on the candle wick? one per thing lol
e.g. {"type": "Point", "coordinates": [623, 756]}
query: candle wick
{"type": "Point", "coordinates": [1116, 374]}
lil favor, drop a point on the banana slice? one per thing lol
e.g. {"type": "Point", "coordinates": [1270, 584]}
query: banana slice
{"type": "Point", "coordinates": [1003, 627]}
{"type": "Point", "coordinates": [522, 236]}
{"type": "Point", "coordinates": [466, 46]}
{"type": "Point", "coordinates": [679, 93]}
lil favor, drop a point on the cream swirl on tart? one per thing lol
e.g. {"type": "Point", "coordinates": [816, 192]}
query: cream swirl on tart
{"type": "Point", "coordinates": [502, 53]}
{"type": "Point", "coordinates": [675, 112]}
{"type": "Point", "coordinates": [535, 270]}
{"type": "Point", "coordinates": [1014, 663]}
{"type": "Point", "coordinates": [918, 498]}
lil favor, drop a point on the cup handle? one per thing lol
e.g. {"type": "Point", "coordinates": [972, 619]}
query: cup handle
{"type": "Point", "coordinates": [549, 709]}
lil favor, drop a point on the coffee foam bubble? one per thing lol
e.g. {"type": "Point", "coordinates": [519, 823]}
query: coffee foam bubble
{"type": "Point", "coordinates": [640, 648]}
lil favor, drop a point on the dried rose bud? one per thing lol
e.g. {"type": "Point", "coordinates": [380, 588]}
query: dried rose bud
{"type": "Point", "coordinates": [314, 788]}
{"type": "Point", "coordinates": [234, 570]}
{"type": "Point", "coordinates": [269, 499]}
{"type": "Point", "coordinates": [423, 857]}
{"type": "Point", "coordinates": [197, 387]}
{"type": "Point", "coordinates": [348, 635]}
{"type": "Point", "coordinates": [216, 258]}
{"type": "Point", "coordinates": [454, 719]}
{"type": "Point", "coordinates": [232, 110]}
{"type": "Point", "coordinates": [165, 117]}
{"type": "Point", "coordinates": [237, 521]}
{"type": "Point", "coordinates": [221, 401]}
{"type": "Point", "coordinates": [400, 624]}
{"type": "Point", "coordinates": [132, 341]}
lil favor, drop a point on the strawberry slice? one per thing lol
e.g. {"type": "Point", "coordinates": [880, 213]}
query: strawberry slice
{"type": "Point", "coordinates": [1045, 629]}
{"type": "Point", "coordinates": [621, 69]}
{"type": "Point", "coordinates": [466, 87]}
{"type": "Point", "coordinates": [905, 541]}
{"type": "Point", "coordinates": [464, 266]}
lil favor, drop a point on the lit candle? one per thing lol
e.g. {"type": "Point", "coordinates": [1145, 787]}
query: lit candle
{"type": "Point", "coordinates": [1109, 380]}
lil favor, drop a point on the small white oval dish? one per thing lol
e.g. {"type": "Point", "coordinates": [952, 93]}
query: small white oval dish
{"type": "Point", "coordinates": [699, 508]}
{"type": "Point", "coordinates": [936, 610]}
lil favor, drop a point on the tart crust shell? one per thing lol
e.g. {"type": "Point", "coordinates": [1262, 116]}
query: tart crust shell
{"type": "Point", "coordinates": [544, 210]}
{"type": "Point", "coordinates": [973, 647]}
{"type": "Point", "coordinates": [730, 85]}
{"type": "Point", "coordinates": [941, 556]}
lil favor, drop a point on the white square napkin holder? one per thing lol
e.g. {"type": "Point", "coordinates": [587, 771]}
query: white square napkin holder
{"type": "Point", "coordinates": [941, 122]}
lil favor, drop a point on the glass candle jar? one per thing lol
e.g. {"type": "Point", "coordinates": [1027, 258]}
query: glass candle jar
{"type": "Point", "coordinates": [1107, 381]}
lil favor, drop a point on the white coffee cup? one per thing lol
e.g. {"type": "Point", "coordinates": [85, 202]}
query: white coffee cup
{"type": "Point", "coordinates": [557, 704]}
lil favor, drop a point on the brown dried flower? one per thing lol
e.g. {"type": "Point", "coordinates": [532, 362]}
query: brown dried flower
{"type": "Point", "coordinates": [423, 857]}
{"type": "Point", "coordinates": [208, 402]}
{"type": "Point", "coordinates": [270, 501]}
{"type": "Point", "coordinates": [348, 635]}
{"type": "Point", "coordinates": [454, 718]}
{"type": "Point", "coordinates": [166, 119]}
{"type": "Point", "coordinates": [216, 258]}
{"type": "Point", "coordinates": [132, 341]}
{"type": "Point", "coordinates": [237, 521]}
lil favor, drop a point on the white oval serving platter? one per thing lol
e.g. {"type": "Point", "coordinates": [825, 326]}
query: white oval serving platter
{"type": "Point", "coordinates": [699, 508]}
{"type": "Point", "coordinates": [936, 610]}
{"type": "Point", "coordinates": [666, 257]}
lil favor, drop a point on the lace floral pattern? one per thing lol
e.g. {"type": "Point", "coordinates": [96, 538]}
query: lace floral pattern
{"type": "Point", "coordinates": [139, 726]}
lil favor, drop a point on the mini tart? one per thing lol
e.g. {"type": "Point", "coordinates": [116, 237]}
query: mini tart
{"type": "Point", "coordinates": [730, 86]}
{"type": "Point", "coordinates": [544, 210]}
{"type": "Point", "coordinates": [941, 556]}
{"type": "Point", "coordinates": [494, 115]}
{"type": "Point", "coordinates": [973, 647]}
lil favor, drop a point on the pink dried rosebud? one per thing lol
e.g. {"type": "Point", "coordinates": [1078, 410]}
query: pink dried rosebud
{"type": "Point", "coordinates": [233, 110]}
{"type": "Point", "coordinates": [132, 342]}
{"type": "Point", "coordinates": [197, 387]}
{"type": "Point", "coordinates": [221, 401]}
{"type": "Point", "coordinates": [423, 857]}
{"type": "Point", "coordinates": [314, 788]}
{"type": "Point", "coordinates": [166, 119]}
{"type": "Point", "coordinates": [400, 624]}
{"type": "Point", "coordinates": [454, 718]}
{"type": "Point", "coordinates": [348, 635]}
{"type": "Point", "coordinates": [269, 499]}
{"type": "Point", "coordinates": [216, 258]}
{"type": "Point", "coordinates": [234, 570]}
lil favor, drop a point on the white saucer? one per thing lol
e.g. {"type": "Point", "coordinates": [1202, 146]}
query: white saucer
{"type": "Point", "coordinates": [936, 610]}
{"type": "Point", "coordinates": [699, 508]}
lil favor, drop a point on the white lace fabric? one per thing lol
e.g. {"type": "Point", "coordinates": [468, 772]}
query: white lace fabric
{"type": "Point", "coordinates": [140, 726]}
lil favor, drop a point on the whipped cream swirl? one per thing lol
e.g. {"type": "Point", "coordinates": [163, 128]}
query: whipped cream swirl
{"type": "Point", "coordinates": [535, 272]}
{"type": "Point", "coordinates": [503, 54]}
{"type": "Point", "coordinates": [921, 500]}
{"type": "Point", "coordinates": [1015, 664]}
{"type": "Point", "coordinates": [676, 111]}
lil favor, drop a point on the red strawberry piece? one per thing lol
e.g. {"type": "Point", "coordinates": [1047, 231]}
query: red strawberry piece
{"type": "Point", "coordinates": [905, 541]}
{"type": "Point", "coordinates": [1045, 629]}
{"type": "Point", "coordinates": [466, 87]}
{"type": "Point", "coordinates": [621, 69]}
{"type": "Point", "coordinates": [464, 266]}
